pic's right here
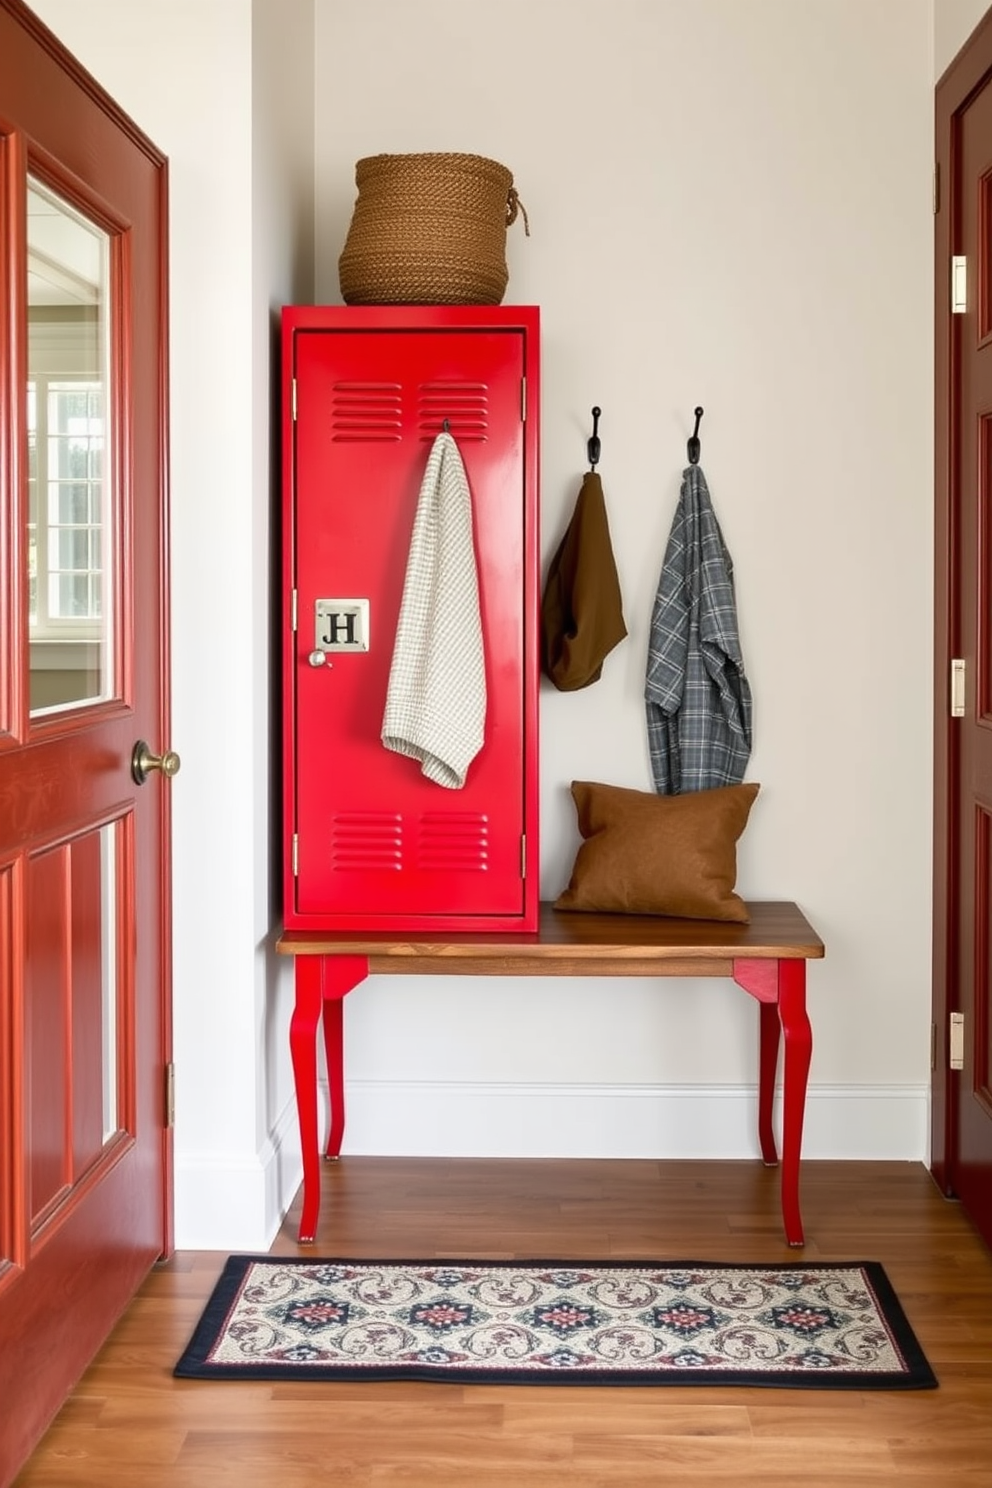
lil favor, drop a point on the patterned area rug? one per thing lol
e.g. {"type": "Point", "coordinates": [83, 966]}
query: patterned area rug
{"type": "Point", "coordinates": [557, 1322]}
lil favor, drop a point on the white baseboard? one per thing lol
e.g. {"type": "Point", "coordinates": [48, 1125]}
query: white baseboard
{"type": "Point", "coordinates": [448, 1119]}
{"type": "Point", "coordinates": [232, 1203]}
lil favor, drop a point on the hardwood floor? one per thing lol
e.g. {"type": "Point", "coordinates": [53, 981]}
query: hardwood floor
{"type": "Point", "coordinates": [130, 1423]}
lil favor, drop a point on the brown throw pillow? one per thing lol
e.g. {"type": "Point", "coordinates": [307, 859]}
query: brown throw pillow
{"type": "Point", "coordinates": [661, 855]}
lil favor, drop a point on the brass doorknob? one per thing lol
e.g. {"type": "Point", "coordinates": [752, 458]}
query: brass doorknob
{"type": "Point", "coordinates": [143, 762]}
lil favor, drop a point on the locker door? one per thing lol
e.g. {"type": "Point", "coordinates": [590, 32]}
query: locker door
{"type": "Point", "coordinates": [378, 845]}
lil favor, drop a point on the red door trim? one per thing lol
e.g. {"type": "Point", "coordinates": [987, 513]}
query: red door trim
{"type": "Point", "coordinates": [969, 70]}
{"type": "Point", "coordinates": [165, 696]}
{"type": "Point", "coordinates": [13, 377]}
{"type": "Point", "coordinates": [73, 69]}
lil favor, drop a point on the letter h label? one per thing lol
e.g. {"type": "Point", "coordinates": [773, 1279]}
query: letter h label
{"type": "Point", "coordinates": [341, 624]}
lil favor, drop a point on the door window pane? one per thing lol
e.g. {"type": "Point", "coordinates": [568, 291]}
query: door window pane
{"type": "Point", "coordinates": [70, 499]}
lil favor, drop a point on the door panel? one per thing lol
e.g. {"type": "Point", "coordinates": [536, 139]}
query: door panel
{"type": "Point", "coordinates": [12, 1188]}
{"type": "Point", "coordinates": [46, 1033]}
{"type": "Point", "coordinates": [75, 1003]}
{"type": "Point", "coordinates": [982, 980]}
{"type": "Point", "coordinates": [84, 852]}
{"type": "Point", "coordinates": [92, 967]}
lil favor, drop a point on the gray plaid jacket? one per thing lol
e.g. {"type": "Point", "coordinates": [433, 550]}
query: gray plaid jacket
{"type": "Point", "coordinates": [697, 697]}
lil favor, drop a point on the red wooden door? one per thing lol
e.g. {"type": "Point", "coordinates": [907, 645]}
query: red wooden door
{"type": "Point", "coordinates": [84, 851]}
{"type": "Point", "coordinates": [971, 1171]}
{"type": "Point", "coordinates": [962, 1078]}
{"type": "Point", "coordinates": [377, 845]}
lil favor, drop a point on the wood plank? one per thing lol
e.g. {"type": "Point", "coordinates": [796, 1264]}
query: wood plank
{"type": "Point", "coordinates": [541, 965]}
{"type": "Point", "coordinates": [605, 943]}
{"type": "Point", "coordinates": [131, 1422]}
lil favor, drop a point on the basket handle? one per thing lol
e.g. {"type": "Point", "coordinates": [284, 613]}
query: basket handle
{"type": "Point", "coordinates": [513, 202]}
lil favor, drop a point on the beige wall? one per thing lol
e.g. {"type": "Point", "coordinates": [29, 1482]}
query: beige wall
{"type": "Point", "coordinates": [225, 89]}
{"type": "Point", "coordinates": [953, 22]}
{"type": "Point", "coordinates": [730, 205]}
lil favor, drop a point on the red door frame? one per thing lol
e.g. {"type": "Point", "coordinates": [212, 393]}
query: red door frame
{"type": "Point", "coordinates": [966, 74]}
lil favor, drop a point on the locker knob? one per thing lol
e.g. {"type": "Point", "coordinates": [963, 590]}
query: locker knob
{"type": "Point", "coordinates": [317, 658]}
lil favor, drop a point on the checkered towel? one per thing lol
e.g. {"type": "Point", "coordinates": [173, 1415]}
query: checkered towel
{"type": "Point", "coordinates": [696, 693]}
{"type": "Point", "coordinates": [436, 698]}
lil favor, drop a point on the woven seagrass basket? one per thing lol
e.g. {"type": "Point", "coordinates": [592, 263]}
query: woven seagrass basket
{"type": "Point", "coordinates": [428, 230]}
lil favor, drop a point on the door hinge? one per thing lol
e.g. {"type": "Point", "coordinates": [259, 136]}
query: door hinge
{"type": "Point", "coordinates": [523, 400]}
{"type": "Point", "coordinates": [959, 284]}
{"type": "Point", "coordinates": [936, 188]}
{"type": "Point", "coordinates": [296, 854]}
{"type": "Point", "coordinates": [294, 399]}
{"type": "Point", "coordinates": [956, 1042]}
{"type": "Point", "coordinates": [523, 856]}
{"type": "Point", "coordinates": [170, 1096]}
{"type": "Point", "coordinates": [933, 1046]}
{"type": "Point", "coordinates": [293, 610]}
{"type": "Point", "coordinates": [957, 687]}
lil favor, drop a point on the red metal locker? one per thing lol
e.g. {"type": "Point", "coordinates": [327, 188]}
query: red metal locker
{"type": "Point", "coordinates": [370, 842]}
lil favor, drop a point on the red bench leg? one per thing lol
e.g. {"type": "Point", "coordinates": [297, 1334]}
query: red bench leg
{"type": "Point", "coordinates": [780, 988]}
{"type": "Point", "coordinates": [798, 1037]}
{"type": "Point", "coordinates": [767, 1066]}
{"type": "Point", "coordinates": [340, 975]}
{"type": "Point", "coordinates": [334, 1054]}
{"type": "Point", "coordinates": [303, 1048]}
{"type": "Point", "coordinates": [322, 982]}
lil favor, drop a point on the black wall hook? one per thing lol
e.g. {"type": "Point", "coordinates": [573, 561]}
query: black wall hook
{"type": "Point", "coordinates": [693, 445]}
{"type": "Point", "coordinates": [594, 445]}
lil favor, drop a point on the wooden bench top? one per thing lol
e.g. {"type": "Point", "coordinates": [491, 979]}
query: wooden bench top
{"type": "Point", "coordinates": [571, 943]}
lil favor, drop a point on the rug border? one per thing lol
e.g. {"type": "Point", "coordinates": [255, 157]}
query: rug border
{"type": "Point", "coordinates": [194, 1363]}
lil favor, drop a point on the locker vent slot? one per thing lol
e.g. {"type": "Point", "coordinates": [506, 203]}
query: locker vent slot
{"type": "Point", "coordinates": [453, 840]}
{"type": "Point", "coordinates": [366, 841]}
{"type": "Point", "coordinates": [464, 404]}
{"type": "Point", "coordinates": [362, 411]}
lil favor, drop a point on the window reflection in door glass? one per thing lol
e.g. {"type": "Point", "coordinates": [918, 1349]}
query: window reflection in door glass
{"type": "Point", "coordinates": [70, 545]}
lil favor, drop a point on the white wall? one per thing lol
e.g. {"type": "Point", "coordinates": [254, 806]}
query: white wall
{"type": "Point", "coordinates": [953, 23]}
{"type": "Point", "coordinates": [283, 273]}
{"type": "Point", "coordinates": [225, 89]}
{"type": "Point", "coordinates": [730, 205]}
